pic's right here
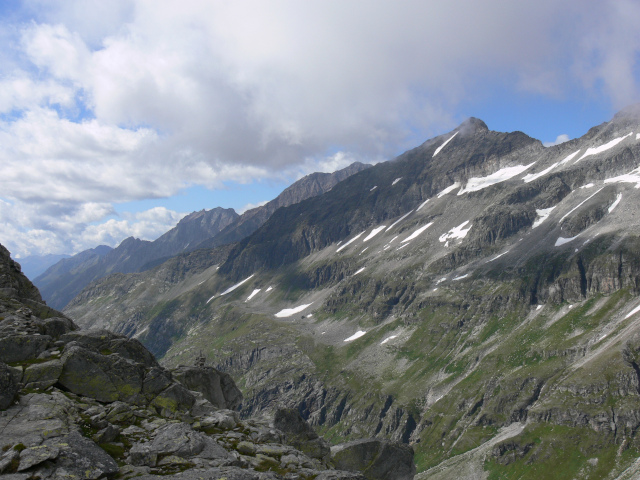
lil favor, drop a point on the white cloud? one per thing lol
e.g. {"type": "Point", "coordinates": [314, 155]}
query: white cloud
{"type": "Point", "coordinates": [559, 139]}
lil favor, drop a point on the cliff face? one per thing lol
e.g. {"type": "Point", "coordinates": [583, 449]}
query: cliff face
{"type": "Point", "coordinates": [475, 297]}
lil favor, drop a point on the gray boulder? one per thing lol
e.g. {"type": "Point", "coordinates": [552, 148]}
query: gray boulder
{"type": "Point", "coordinates": [108, 342]}
{"type": "Point", "coordinates": [180, 440]}
{"type": "Point", "coordinates": [42, 375]}
{"type": "Point", "coordinates": [106, 378]}
{"type": "Point", "coordinates": [217, 387]}
{"type": "Point", "coordinates": [8, 387]}
{"type": "Point", "coordinates": [19, 348]}
{"type": "Point", "coordinates": [377, 459]}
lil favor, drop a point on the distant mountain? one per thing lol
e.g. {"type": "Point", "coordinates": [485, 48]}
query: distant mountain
{"type": "Point", "coordinates": [34, 265]}
{"type": "Point", "coordinates": [64, 280]}
{"type": "Point", "coordinates": [477, 297]}
{"type": "Point", "coordinates": [203, 229]}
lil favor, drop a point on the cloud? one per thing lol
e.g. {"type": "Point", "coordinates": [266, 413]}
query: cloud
{"type": "Point", "coordinates": [25, 228]}
{"type": "Point", "coordinates": [104, 102]}
{"type": "Point", "coordinates": [559, 139]}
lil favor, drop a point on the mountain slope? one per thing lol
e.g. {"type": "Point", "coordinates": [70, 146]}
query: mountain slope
{"type": "Point", "coordinates": [480, 290]}
{"type": "Point", "coordinates": [307, 187]}
{"type": "Point", "coordinates": [35, 265]}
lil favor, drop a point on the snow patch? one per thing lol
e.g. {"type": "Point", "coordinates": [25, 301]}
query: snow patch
{"type": "Point", "coordinates": [602, 148]}
{"type": "Point", "coordinates": [578, 206]}
{"type": "Point", "coordinates": [615, 203]}
{"type": "Point", "coordinates": [543, 214]}
{"type": "Point", "coordinates": [538, 307]}
{"type": "Point", "coordinates": [417, 232]}
{"type": "Point", "coordinates": [400, 248]}
{"type": "Point", "coordinates": [633, 312]}
{"type": "Point", "coordinates": [569, 157]}
{"type": "Point", "coordinates": [269, 289]}
{"type": "Point", "coordinates": [374, 232]}
{"type": "Point", "coordinates": [460, 278]}
{"type": "Point", "coordinates": [498, 256]}
{"type": "Point", "coordinates": [388, 338]}
{"type": "Point", "coordinates": [443, 145]}
{"type": "Point", "coordinates": [396, 181]}
{"type": "Point", "coordinates": [231, 289]}
{"type": "Point", "coordinates": [374, 187]}
{"type": "Point", "coordinates": [422, 204]}
{"type": "Point", "coordinates": [533, 176]}
{"type": "Point", "coordinates": [253, 294]}
{"type": "Point", "coordinates": [562, 240]}
{"type": "Point", "coordinates": [211, 299]}
{"type": "Point", "coordinates": [287, 312]}
{"type": "Point", "coordinates": [364, 250]}
{"type": "Point", "coordinates": [631, 177]}
{"type": "Point", "coordinates": [588, 185]}
{"type": "Point", "coordinates": [350, 242]}
{"type": "Point", "coordinates": [359, 271]}
{"type": "Point", "coordinates": [449, 189]}
{"type": "Point", "coordinates": [478, 183]}
{"type": "Point", "coordinates": [458, 232]}
{"type": "Point", "coordinates": [356, 335]}
{"type": "Point", "coordinates": [398, 221]}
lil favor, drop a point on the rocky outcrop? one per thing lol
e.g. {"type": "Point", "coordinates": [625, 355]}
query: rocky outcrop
{"type": "Point", "coordinates": [217, 387]}
{"type": "Point", "coordinates": [375, 458]}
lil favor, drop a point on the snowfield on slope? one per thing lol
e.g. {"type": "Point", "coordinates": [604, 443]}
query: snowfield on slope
{"type": "Point", "coordinates": [478, 183]}
{"type": "Point", "coordinates": [356, 335]}
{"type": "Point", "coordinates": [287, 312]}
{"type": "Point", "coordinates": [350, 242]}
{"type": "Point", "coordinates": [443, 145]}
{"type": "Point", "coordinates": [456, 233]}
{"type": "Point", "coordinates": [602, 148]}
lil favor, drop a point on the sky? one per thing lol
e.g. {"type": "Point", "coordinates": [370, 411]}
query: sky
{"type": "Point", "coordinates": [118, 118]}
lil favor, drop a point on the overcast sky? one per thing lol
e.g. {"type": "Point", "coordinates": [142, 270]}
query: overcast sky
{"type": "Point", "coordinates": [119, 117]}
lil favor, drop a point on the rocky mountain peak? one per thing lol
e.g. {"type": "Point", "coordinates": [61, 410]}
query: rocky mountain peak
{"type": "Point", "coordinates": [472, 126]}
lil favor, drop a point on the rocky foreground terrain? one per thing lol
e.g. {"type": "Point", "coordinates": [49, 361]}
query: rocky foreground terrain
{"type": "Point", "coordinates": [93, 404]}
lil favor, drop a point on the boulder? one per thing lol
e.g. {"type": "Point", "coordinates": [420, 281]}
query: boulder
{"type": "Point", "coordinates": [180, 440]}
{"type": "Point", "coordinates": [20, 348]}
{"type": "Point", "coordinates": [107, 342]}
{"type": "Point", "coordinates": [217, 387]}
{"type": "Point", "coordinates": [55, 327]}
{"type": "Point", "coordinates": [83, 459]}
{"type": "Point", "coordinates": [377, 459]}
{"type": "Point", "coordinates": [42, 375]}
{"type": "Point", "coordinates": [106, 378]}
{"type": "Point", "coordinates": [173, 399]}
{"type": "Point", "coordinates": [8, 387]}
{"type": "Point", "coordinates": [299, 433]}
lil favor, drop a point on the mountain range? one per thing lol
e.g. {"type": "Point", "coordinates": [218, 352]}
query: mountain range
{"type": "Point", "coordinates": [66, 278]}
{"type": "Point", "coordinates": [476, 297]}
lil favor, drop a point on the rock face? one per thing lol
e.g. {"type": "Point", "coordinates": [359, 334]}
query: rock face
{"type": "Point", "coordinates": [94, 404]}
{"type": "Point", "coordinates": [376, 459]}
{"type": "Point", "coordinates": [217, 387]}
